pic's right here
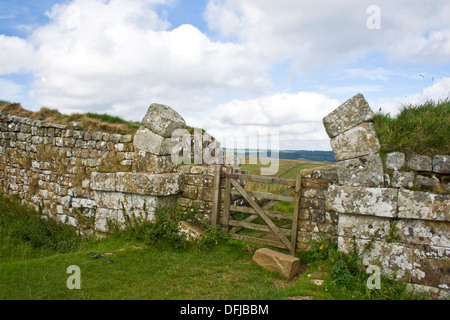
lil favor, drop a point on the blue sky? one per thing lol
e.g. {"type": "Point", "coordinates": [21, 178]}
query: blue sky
{"type": "Point", "coordinates": [236, 68]}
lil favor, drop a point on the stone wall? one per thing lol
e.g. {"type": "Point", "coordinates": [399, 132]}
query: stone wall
{"type": "Point", "coordinates": [315, 220]}
{"type": "Point", "coordinates": [397, 209]}
{"type": "Point", "coordinates": [86, 179]}
{"type": "Point", "coordinates": [198, 190]}
{"type": "Point", "coordinates": [49, 165]}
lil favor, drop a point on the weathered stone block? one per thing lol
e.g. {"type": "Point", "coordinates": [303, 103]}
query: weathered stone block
{"type": "Point", "coordinates": [313, 203]}
{"type": "Point", "coordinates": [357, 142]}
{"type": "Point", "coordinates": [424, 232]}
{"type": "Point", "coordinates": [395, 160]}
{"type": "Point", "coordinates": [103, 181]}
{"type": "Point", "coordinates": [403, 179]}
{"type": "Point", "coordinates": [149, 203]}
{"type": "Point", "coordinates": [423, 205]}
{"type": "Point", "coordinates": [363, 227]}
{"type": "Point", "coordinates": [196, 169]}
{"type": "Point", "coordinates": [102, 215]}
{"type": "Point", "coordinates": [163, 120]}
{"type": "Point", "coordinates": [427, 182]}
{"type": "Point", "coordinates": [350, 114]}
{"type": "Point", "coordinates": [380, 202]}
{"type": "Point", "coordinates": [83, 203]}
{"type": "Point", "coordinates": [441, 164]}
{"type": "Point", "coordinates": [326, 173]}
{"type": "Point", "coordinates": [151, 184]}
{"type": "Point", "coordinates": [286, 265]}
{"type": "Point", "coordinates": [190, 192]}
{"type": "Point", "coordinates": [420, 264]}
{"type": "Point", "coordinates": [419, 162]}
{"type": "Point", "coordinates": [151, 163]}
{"type": "Point", "coordinates": [364, 171]}
{"type": "Point", "coordinates": [147, 140]}
{"type": "Point", "coordinates": [313, 193]}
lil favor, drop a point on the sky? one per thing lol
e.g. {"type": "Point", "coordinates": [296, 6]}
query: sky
{"type": "Point", "coordinates": [238, 68]}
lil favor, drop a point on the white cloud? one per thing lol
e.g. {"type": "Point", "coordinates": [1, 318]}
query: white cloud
{"type": "Point", "coordinates": [296, 117]}
{"type": "Point", "coordinates": [314, 33]}
{"type": "Point", "coordinates": [16, 55]}
{"type": "Point", "coordinates": [121, 56]}
{"type": "Point", "coordinates": [438, 91]}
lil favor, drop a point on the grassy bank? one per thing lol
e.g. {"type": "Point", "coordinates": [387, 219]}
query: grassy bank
{"type": "Point", "coordinates": [86, 121]}
{"type": "Point", "coordinates": [422, 129]}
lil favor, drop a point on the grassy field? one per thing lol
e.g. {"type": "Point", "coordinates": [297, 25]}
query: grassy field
{"type": "Point", "coordinates": [288, 169]}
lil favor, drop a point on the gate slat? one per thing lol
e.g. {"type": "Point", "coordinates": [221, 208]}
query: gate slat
{"type": "Point", "coordinates": [266, 195]}
{"type": "Point", "coordinates": [267, 242]}
{"type": "Point", "coordinates": [262, 179]}
{"type": "Point", "coordinates": [272, 214]}
{"type": "Point", "coordinates": [258, 227]}
{"type": "Point", "coordinates": [261, 212]}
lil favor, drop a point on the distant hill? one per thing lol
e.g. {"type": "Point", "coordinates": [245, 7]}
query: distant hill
{"type": "Point", "coordinates": [324, 156]}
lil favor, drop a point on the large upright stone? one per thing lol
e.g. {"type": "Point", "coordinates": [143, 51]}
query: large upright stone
{"type": "Point", "coordinates": [163, 120]}
{"type": "Point", "coordinates": [147, 140]}
{"type": "Point", "coordinates": [350, 114]}
{"type": "Point", "coordinates": [356, 142]}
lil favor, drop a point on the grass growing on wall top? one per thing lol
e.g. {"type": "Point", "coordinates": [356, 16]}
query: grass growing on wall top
{"type": "Point", "coordinates": [87, 121]}
{"type": "Point", "coordinates": [422, 129]}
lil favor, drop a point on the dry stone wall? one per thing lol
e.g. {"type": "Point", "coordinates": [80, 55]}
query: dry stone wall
{"type": "Point", "coordinates": [87, 178]}
{"type": "Point", "coordinates": [315, 220]}
{"type": "Point", "coordinates": [396, 210]}
{"type": "Point", "coordinates": [49, 165]}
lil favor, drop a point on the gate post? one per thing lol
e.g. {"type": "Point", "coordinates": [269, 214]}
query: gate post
{"type": "Point", "coordinates": [298, 188]}
{"type": "Point", "coordinates": [216, 199]}
{"type": "Point", "coordinates": [226, 203]}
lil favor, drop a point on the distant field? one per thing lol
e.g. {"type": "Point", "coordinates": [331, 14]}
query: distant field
{"type": "Point", "coordinates": [288, 169]}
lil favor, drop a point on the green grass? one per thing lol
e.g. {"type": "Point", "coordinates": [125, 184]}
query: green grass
{"type": "Point", "coordinates": [132, 126]}
{"type": "Point", "coordinates": [86, 121]}
{"type": "Point", "coordinates": [422, 129]}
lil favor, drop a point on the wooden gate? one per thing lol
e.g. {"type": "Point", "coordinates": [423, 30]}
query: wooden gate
{"type": "Point", "coordinates": [281, 236]}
